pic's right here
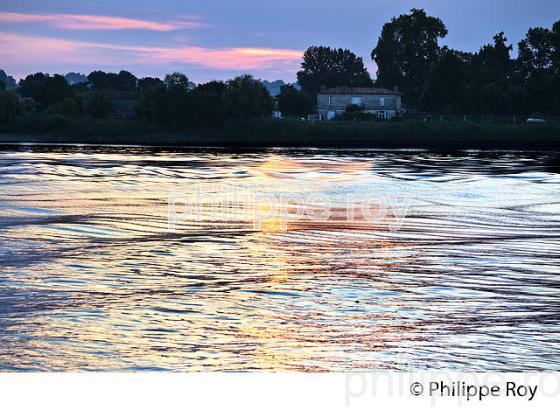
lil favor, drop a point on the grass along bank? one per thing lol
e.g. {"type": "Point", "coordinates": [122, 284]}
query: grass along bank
{"type": "Point", "coordinates": [268, 132]}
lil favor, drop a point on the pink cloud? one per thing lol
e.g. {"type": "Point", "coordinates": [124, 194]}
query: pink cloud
{"type": "Point", "coordinates": [221, 58]}
{"type": "Point", "coordinates": [88, 22]}
{"type": "Point", "coordinates": [37, 52]}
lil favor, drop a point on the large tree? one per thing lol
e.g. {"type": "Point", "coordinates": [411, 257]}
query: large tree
{"type": "Point", "coordinates": [447, 89]}
{"type": "Point", "coordinates": [176, 81]}
{"type": "Point", "coordinates": [536, 52]}
{"type": "Point", "coordinates": [166, 102]}
{"type": "Point", "coordinates": [247, 98]}
{"type": "Point", "coordinates": [330, 67]}
{"type": "Point", "coordinates": [147, 82]}
{"type": "Point", "coordinates": [538, 67]}
{"type": "Point", "coordinates": [208, 105]}
{"type": "Point", "coordinates": [44, 89]}
{"type": "Point", "coordinates": [406, 50]}
{"type": "Point", "coordinates": [102, 81]}
{"type": "Point", "coordinates": [493, 64]}
{"type": "Point", "coordinates": [491, 72]}
{"type": "Point", "coordinates": [30, 86]}
{"type": "Point", "coordinates": [172, 104]}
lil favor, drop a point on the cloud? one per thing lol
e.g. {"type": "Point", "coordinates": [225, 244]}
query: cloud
{"type": "Point", "coordinates": [27, 51]}
{"type": "Point", "coordinates": [89, 22]}
{"type": "Point", "coordinates": [221, 58]}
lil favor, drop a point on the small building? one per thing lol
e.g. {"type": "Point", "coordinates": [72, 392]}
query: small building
{"type": "Point", "coordinates": [382, 102]}
{"type": "Point", "coordinates": [276, 113]}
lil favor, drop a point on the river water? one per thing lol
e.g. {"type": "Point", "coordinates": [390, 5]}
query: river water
{"type": "Point", "coordinates": [310, 260]}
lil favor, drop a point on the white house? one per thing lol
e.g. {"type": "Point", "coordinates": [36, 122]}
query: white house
{"type": "Point", "coordinates": [382, 102]}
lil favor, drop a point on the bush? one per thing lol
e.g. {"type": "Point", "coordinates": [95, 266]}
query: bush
{"type": "Point", "coordinates": [69, 106]}
{"type": "Point", "coordinates": [354, 112]}
{"type": "Point", "coordinates": [10, 106]}
{"type": "Point", "coordinates": [269, 132]}
{"type": "Point", "coordinates": [98, 105]}
{"type": "Point", "coordinates": [294, 103]}
{"type": "Point", "coordinates": [37, 123]}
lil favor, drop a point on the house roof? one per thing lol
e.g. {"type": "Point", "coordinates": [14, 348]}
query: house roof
{"type": "Point", "coordinates": [359, 90]}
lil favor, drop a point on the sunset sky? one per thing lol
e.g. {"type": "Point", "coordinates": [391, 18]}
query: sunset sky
{"type": "Point", "coordinates": [209, 39]}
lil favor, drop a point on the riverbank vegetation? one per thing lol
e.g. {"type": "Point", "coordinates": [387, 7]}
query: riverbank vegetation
{"type": "Point", "coordinates": [269, 132]}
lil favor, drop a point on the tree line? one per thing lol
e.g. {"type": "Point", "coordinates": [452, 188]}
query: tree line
{"type": "Point", "coordinates": [443, 80]}
{"type": "Point", "coordinates": [438, 79]}
{"type": "Point", "coordinates": [432, 78]}
{"type": "Point", "coordinates": [172, 102]}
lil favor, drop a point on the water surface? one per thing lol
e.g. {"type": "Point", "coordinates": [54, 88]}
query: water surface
{"type": "Point", "coordinates": [461, 272]}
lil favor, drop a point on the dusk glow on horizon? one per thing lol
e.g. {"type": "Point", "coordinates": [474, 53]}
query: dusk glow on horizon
{"type": "Point", "coordinates": [218, 39]}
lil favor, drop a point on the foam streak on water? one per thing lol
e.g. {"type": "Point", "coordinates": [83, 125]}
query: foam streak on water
{"type": "Point", "coordinates": [92, 278]}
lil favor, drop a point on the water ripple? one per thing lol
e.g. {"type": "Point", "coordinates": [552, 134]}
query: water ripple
{"type": "Point", "coordinates": [92, 278]}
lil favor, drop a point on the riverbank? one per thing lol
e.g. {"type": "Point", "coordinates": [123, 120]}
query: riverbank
{"type": "Point", "coordinates": [291, 133]}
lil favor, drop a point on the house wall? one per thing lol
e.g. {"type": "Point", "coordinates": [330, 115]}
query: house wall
{"type": "Point", "coordinates": [337, 103]}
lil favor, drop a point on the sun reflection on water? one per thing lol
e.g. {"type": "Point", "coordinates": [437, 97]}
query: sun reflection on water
{"type": "Point", "coordinates": [93, 278]}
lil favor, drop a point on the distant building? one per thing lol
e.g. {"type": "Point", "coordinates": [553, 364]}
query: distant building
{"type": "Point", "coordinates": [273, 87]}
{"type": "Point", "coordinates": [382, 102]}
{"type": "Point", "coordinates": [276, 113]}
{"type": "Point", "coordinates": [75, 78]}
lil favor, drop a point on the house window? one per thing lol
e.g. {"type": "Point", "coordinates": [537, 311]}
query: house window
{"type": "Point", "coordinates": [382, 115]}
{"type": "Point", "coordinates": [330, 100]}
{"type": "Point", "coordinates": [356, 100]}
{"type": "Point", "coordinates": [382, 101]}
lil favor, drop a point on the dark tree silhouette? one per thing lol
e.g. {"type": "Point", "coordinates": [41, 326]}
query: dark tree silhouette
{"type": "Point", "coordinates": [177, 81]}
{"type": "Point", "coordinates": [293, 102]}
{"type": "Point", "coordinates": [209, 105]}
{"type": "Point", "coordinates": [329, 67]}
{"type": "Point", "coordinates": [493, 62]}
{"type": "Point", "coordinates": [44, 89]}
{"type": "Point", "coordinates": [538, 67]}
{"type": "Point", "coordinates": [247, 98]}
{"type": "Point", "coordinates": [102, 81]}
{"type": "Point", "coordinates": [10, 106]}
{"type": "Point", "coordinates": [406, 51]}
{"type": "Point", "coordinates": [98, 105]}
{"type": "Point", "coordinates": [147, 82]}
{"type": "Point", "coordinates": [448, 87]}
{"type": "Point", "coordinates": [7, 81]}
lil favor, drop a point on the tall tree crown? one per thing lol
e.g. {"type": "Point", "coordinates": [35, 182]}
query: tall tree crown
{"type": "Point", "coordinates": [331, 67]}
{"type": "Point", "coordinates": [405, 51]}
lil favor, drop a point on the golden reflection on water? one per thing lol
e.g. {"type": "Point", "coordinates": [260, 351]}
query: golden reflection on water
{"type": "Point", "coordinates": [93, 278]}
